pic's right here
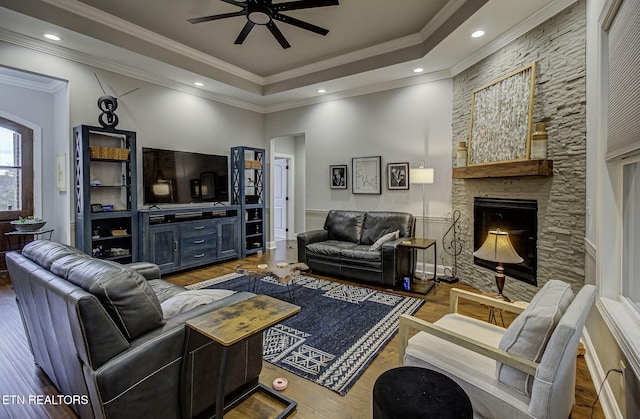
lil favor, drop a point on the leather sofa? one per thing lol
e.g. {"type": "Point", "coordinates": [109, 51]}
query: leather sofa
{"type": "Point", "coordinates": [103, 334]}
{"type": "Point", "coordinates": [344, 247]}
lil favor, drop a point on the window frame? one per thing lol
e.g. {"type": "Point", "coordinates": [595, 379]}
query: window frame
{"type": "Point", "coordinates": [27, 167]}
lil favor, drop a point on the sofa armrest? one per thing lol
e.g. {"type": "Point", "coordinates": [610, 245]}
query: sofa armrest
{"type": "Point", "coordinates": [514, 361]}
{"type": "Point", "coordinates": [147, 269]}
{"type": "Point", "coordinates": [308, 237]}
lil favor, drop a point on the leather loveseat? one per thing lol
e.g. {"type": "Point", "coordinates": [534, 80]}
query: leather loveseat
{"type": "Point", "coordinates": [111, 336]}
{"type": "Point", "coordinates": [346, 246]}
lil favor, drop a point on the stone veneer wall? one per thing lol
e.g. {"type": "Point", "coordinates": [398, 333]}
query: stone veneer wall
{"type": "Point", "coordinates": [558, 47]}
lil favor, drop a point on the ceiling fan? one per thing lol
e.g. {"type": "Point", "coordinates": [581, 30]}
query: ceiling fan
{"type": "Point", "coordinates": [264, 12]}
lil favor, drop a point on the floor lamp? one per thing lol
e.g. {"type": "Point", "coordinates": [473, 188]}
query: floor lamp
{"type": "Point", "coordinates": [422, 176]}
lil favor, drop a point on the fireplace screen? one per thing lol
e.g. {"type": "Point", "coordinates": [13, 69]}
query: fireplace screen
{"type": "Point", "coordinates": [520, 219]}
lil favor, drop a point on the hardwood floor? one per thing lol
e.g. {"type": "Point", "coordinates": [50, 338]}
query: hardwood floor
{"type": "Point", "coordinates": [19, 376]}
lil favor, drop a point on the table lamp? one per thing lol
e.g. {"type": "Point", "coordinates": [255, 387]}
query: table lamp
{"type": "Point", "coordinates": [422, 176]}
{"type": "Point", "coordinates": [498, 248]}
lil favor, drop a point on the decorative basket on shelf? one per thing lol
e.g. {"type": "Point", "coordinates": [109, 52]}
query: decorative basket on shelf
{"type": "Point", "coordinates": [109, 153]}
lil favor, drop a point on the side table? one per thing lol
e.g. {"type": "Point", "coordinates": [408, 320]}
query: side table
{"type": "Point", "coordinates": [21, 237]}
{"type": "Point", "coordinates": [232, 324]}
{"type": "Point", "coordinates": [494, 310]}
{"type": "Point", "coordinates": [424, 244]}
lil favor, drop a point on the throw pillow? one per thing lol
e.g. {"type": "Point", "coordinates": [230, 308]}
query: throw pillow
{"type": "Point", "coordinates": [389, 236]}
{"type": "Point", "coordinates": [187, 300]}
{"type": "Point", "coordinates": [529, 333]}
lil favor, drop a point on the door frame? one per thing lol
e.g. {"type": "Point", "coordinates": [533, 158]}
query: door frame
{"type": "Point", "coordinates": [290, 235]}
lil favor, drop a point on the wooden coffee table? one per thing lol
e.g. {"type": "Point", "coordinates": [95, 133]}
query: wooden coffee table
{"type": "Point", "coordinates": [284, 274]}
{"type": "Point", "coordinates": [232, 324]}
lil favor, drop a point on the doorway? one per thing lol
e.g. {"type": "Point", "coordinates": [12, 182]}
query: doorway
{"type": "Point", "coordinates": [281, 224]}
{"type": "Point", "coordinates": [287, 207]}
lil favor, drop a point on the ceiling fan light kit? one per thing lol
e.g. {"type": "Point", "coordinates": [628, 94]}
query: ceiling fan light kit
{"type": "Point", "coordinates": [264, 12]}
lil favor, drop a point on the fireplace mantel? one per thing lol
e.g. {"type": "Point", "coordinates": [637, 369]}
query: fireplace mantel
{"type": "Point", "coordinates": [505, 169]}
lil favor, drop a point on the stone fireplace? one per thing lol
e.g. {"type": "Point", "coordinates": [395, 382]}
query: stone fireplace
{"type": "Point", "coordinates": [559, 102]}
{"type": "Point", "coordinates": [518, 217]}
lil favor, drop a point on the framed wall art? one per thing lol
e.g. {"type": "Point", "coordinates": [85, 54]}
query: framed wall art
{"type": "Point", "coordinates": [398, 176]}
{"type": "Point", "coordinates": [338, 176]}
{"type": "Point", "coordinates": [61, 172]}
{"type": "Point", "coordinates": [366, 174]}
{"type": "Point", "coordinates": [501, 114]}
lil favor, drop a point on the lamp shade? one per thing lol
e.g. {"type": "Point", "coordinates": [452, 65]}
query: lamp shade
{"type": "Point", "coordinates": [498, 248]}
{"type": "Point", "coordinates": [421, 175]}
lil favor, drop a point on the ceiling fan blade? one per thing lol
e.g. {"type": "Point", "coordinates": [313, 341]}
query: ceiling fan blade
{"type": "Point", "coordinates": [245, 31]}
{"type": "Point", "coordinates": [303, 4]}
{"type": "Point", "coordinates": [215, 17]}
{"type": "Point", "coordinates": [278, 35]}
{"type": "Point", "coordinates": [300, 24]}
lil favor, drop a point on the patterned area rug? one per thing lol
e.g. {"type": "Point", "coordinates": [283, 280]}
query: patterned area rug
{"type": "Point", "coordinates": [339, 331]}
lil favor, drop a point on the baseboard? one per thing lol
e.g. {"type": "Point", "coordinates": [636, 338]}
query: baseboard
{"type": "Point", "coordinates": [607, 400]}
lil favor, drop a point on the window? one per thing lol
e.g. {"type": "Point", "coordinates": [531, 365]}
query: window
{"type": "Point", "coordinates": [16, 170]}
{"type": "Point", "coordinates": [631, 230]}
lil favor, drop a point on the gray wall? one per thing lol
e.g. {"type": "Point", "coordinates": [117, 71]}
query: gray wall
{"type": "Point", "coordinates": [558, 48]}
{"type": "Point", "coordinates": [161, 117]}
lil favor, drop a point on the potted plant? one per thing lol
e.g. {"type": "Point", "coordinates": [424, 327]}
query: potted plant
{"type": "Point", "coordinates": [29, 223]}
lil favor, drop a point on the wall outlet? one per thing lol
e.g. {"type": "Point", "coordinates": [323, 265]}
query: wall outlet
{"type": "Point", "coordinates": [623, 376]}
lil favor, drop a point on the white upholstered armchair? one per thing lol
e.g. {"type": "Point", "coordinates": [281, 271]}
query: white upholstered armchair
{"type": "Point", "coordinates": [525, 371]}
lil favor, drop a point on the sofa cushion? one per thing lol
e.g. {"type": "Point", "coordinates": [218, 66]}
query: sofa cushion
{"type": "Point", "coordinates": [378, 223]}
{"type": "Point", "coordinates": [529, 333]}
{"type": "Point", "coordinates": [124, 293]}
{"type": "Point", "coordinates": [361, 252]}
{"type": "Point", "coordinates": [389, 236]}
{"type": "Point", "coordinates": [344, 225]}
{"type": "Point", "coordinates": [329, 247]}
{"type": "Point", "coordinates": [165, 290]}
{"type": "Point", "coordinates": [187, 300]}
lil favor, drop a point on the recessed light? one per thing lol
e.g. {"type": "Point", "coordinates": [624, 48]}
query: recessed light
{"type": "Point", "coordinates": [52, 37]}
{"type": "Point", "coordinates": [322, 91]}
{"type": "Point", "coordinates": [477, 34]}
{"type": "Point", "coordinates": [199, 84]}
{"type": "Point", "coordinates": [418, 70]}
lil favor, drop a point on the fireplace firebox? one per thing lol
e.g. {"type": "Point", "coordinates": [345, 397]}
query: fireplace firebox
{"type": "Point", "coordinates": [519, 218]}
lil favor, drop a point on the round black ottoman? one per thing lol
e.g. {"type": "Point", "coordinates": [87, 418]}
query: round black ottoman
{"type": "Point", "coordinates": [414, 392]}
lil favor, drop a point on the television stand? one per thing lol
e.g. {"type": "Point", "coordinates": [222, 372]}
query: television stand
{"type": "Point", "coordinates": [188, 237]}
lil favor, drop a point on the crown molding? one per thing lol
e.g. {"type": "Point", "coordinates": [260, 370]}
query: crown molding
{"type": "Point", "coordinates": [121, 25]}
{"type": "Point", "coordinates": [108, 65]}
{"type": "Point", "coordinates": [361, 91]}
{"type": "Point", "coordinates": [506, 38]}
{"type": "Point", "coordinates": [384, 48]}
{"type": "Point", "coordinates": [52, 86]}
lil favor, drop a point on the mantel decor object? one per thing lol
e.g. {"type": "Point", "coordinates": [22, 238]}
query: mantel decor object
{"type": "Point", "coordinates": [501, 114]}
{"type": "Point", "coordinates": [539, 142]}
{"type": "Point", "coordinates": [461, 154]}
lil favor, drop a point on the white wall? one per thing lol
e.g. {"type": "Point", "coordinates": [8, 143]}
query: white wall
{"type": "Point", "coordinates": [35, 109]}
{"type": "Point", "coordinates": [161, 117]}
{"type": "Point", "coordinates": [402, 125]}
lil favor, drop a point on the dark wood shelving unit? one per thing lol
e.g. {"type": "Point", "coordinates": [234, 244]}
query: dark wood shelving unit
{"type": "Point", "coordinates": [94, 229]}
{"type": "Point", "coordinates": [505, 169]}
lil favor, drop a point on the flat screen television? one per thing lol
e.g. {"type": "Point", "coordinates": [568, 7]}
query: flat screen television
{"type": "Point", "coordinates": [180, 177]}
